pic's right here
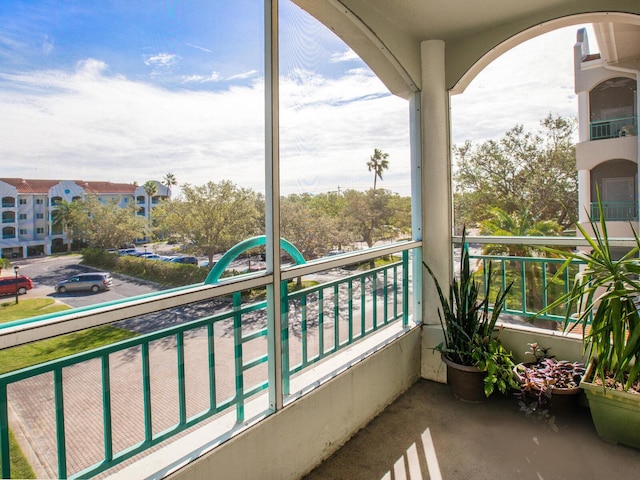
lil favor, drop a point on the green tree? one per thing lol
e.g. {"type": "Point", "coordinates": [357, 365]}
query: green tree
{"type": "Point", "coordinates": [66, 216]}
{"type": "Point", "coordinates": [310, 229]}
{"type": "Point", "coordinates": [367, 214]}
{"type": "Point", "coordinates": [212, 217]}
{"type": "Point", "coordinates": [521, 224]}
{"type": "Point", "coordinates": [522, 171]}
{"type": "Point", "coordinates": [108, 225]}
{"type": "Point", "coordinates": [4, 264]}
{"type": "Point", "coordinates": [378, 163]}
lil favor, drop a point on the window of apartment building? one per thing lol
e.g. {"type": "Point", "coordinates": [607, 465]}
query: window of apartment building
{"type": "Point", "coordinates": [39, 201]}
{"type": "Point", "coordinates": [23, 231]}
{"type": "Point", "coordinates": [39, 230]}
{"type": "Point", "coordinates": [39, 216]}
{"type": "Point", "coordinates": [8, 202]}
{"type": "Point", "coordinates": [22, 216]}
{"type": "Point", "coordinates": [22, 201]}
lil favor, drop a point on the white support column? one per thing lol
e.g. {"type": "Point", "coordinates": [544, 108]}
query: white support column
{"type": "Point", "coordinates": [584, 195]}
{"type": "Point", "coordinates": [436, 196]}
{"type": "Point", "coordinates": [436, 174]}
{"type": "Point", "coordinates": [272, 203]}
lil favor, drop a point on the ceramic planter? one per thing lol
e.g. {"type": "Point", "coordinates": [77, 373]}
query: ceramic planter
{"type": "Point", "coordinates": [615, 414]}
{"type": "Point", "coordinates": [467, 383]}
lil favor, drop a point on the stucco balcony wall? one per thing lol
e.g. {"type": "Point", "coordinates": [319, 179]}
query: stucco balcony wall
{"type": "Point", "coordinates": [591, 154]}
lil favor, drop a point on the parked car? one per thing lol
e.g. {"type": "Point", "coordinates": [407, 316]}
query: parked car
{"type": "Point", "coordinates": [185, 259]}
{"type": "Point", "coordinates": [8, 285]}
{"type": "Point", "coordinates": [90, 282]}
{"type": "Point", "coordinates": [127, 251]}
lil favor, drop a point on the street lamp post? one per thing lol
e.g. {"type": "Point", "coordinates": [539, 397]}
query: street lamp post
{"type": "Point", "coordinates": [15, 270]}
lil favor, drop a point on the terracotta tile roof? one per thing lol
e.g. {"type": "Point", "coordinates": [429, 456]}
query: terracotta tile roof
{"type": "Point", "coordinates": [34, 186]}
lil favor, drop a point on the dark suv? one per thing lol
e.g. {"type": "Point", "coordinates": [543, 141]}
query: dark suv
{"type": "Point", "coordinates": [90, 282]}
{"type": "Point", "coordinates": [8, 285]}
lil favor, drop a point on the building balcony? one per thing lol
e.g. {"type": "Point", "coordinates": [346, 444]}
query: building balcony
{"type": "Point", "coordinates": [215, 372]}
{"type": "Point", "coordinates": [616, 211]}
{"type": "Point", "coordinates": [618, 127]}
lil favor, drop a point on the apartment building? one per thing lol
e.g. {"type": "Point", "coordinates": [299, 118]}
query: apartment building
{"type": "Point", "coordinates": [607, 149]}
{"type": "Point", "coordinates": [28, 205]}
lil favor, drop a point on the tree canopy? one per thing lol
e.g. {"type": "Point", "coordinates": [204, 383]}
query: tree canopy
{"type": "Point", "coordinates": [522, 171]}
{"type": "Point", "coordinates": [212, 217]}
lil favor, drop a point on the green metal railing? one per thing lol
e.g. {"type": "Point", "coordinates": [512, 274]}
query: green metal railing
{"type": "Point", "coordinates": [616, 211]}
{"type": "Point", "coordinates": [535, 284]}
{"type": "Point", "coordinates": [382, 294]}
{"type": "Point", "coordinates": [617, 127]}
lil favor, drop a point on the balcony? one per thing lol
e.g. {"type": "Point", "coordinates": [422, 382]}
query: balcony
{"type": "Point", "coordinates": [201, 378]}
{"type": "Point", "coordinates": [618, 127]}
{"type": "Point", "coordinates": [616, 211]}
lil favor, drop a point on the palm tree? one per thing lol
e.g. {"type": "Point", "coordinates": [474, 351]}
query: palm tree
{"type": "Point", "coordinates": [521, 224]}
{"type": "Point", "coordinates": [150, 188]}
{"type": "Point", "coordinates": [378, 163]}
{"type": "Point", "coordinates": [65, 217]}
{"type": "Point", "coordinates": [169, 181]}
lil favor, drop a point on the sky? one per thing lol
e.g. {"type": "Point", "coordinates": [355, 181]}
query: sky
{"type": "Point", "coordinates": [130, 91]}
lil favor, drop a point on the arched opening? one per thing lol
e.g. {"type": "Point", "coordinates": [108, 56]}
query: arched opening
{"type": "Point", "coordinates": [8, 202]}
{"type": "Point", "coordinates": [616, 182]}
{"type": "Point", "coordinates": [8, 217]}
{"type": "Point", "coordinates": [8, 232]}
{"type": "Point", "coordinates": [612, 106]}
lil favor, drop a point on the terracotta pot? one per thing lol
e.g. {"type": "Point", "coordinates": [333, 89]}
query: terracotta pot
{"type": "Point", "coordinates": [467, 383]}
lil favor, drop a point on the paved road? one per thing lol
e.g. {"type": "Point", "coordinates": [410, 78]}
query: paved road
{"type": "Point", "coordinates": [46, 272]}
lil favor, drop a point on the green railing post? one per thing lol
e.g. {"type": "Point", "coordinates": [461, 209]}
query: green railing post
{"type": "Point", "coordinates": [182, 398]}
{"type": "Point", "coordinates": [237, 348]}
{"type": "Point", "coordinates": [4, 432]}
{"type": "Point", "coordinates": [211, 355]}
{"type": "Point", "coordinates": [284, 314]}
{"type": "Point", "coordinates": [106, 409]}
{"type": "Point", "coordinates": [405, 288]}
{"type": "Point", "coordinates": [58, 396]}
{"type": "Point", "coordinates": [146, 392]}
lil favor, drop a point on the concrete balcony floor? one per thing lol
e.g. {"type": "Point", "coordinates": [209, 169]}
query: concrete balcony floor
{"type": "Point", "coordinates": [428, 434]}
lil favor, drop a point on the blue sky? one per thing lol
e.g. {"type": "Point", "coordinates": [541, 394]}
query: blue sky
{"type": "Point", "coordinates": [150, 87]}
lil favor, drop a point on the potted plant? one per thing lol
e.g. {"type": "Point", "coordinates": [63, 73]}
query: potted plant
{"type": "Point", "coordinates": [477, 363]}
{"type": "Point", "coordinates": [547, 385]}
{"type": "Point", "coordinates": [603, 302]}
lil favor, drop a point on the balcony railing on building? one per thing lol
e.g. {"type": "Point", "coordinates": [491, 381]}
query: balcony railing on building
{"type": "Point", "coordinates": [616, 211]}
{"type": "Point", "coordinates": [617, 127]}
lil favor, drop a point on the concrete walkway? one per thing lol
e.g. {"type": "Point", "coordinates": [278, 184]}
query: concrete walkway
{"type": "Point", "coordinates": [429, 434]}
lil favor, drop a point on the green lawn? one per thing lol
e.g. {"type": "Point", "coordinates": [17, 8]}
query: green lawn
{"type": "Point", "coordinates": [9, 311]}
{"type": "Point", "coordinates": [20, 467]}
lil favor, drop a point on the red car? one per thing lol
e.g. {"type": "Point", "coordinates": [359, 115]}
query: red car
{"type": "Point", "coordinates": [8, 285]}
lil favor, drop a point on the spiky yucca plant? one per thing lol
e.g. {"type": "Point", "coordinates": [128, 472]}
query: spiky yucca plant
{"type": "Point", "coordinates": [604, 301]}
{"type": "Point", "coordinates": [469, 325]}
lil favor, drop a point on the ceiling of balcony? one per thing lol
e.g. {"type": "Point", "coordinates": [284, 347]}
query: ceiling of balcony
{"type": "Point", "coordinates": [387, 34]}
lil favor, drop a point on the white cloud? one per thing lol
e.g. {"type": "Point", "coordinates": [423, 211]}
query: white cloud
{"type": "Point", "coordinates": [243, 75]}
{"type": "Point", "coordinates": [92, 126]}
{"type": "Point", "coordinates": [346, 56]}
{"type": "Point", "coordinates": [214, 77]}
{"type": "Point", "coordinates": [161, 60]}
